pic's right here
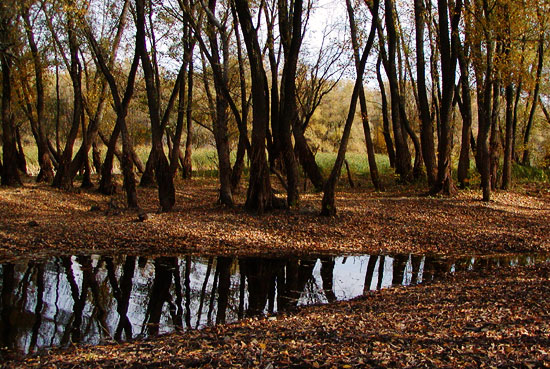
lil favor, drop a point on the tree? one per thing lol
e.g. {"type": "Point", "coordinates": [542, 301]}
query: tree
{"type": "Point", "coordinates": [37, 122]}
{"type": "Point", "coordinates": [121, 104]}
{"type": "Point", "coordinates": [403, 156]}
{"type": "Point", "coordinates": [165, 181]}
{"type": "Point", "coordinates": [426, 128]}
{"type": "Point", "coordinates": [328, 206]}
{"type": "Point", "coordinates": [465, 106]}
{"type": "Point", "coordinates": [363, 103]}
{"type": "Point", "coordinates": [63, 178]}
{"type": "Point", "coordinates": [448, 47]}
{"type": "Point", "coordinates": [10, 175]}
{"type": "Point", "coordinates": [290, 28]}
{"type": "Point", "coordinates": [483, 68]}
{"type": "Point", "coordinates": [259, 196]}
{"type": "Point", "coordinates": [540, 61]}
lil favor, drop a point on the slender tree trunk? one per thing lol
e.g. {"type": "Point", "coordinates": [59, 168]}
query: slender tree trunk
{"type": "Point", "coordinates": [96, 157]}
{"type": "Point", "coordinates": [63, 178]}
{"type": "Point", "coordinates": [466, 113]}
{"type": "Point", "coordinates": [363, 104]}
{"type": "Point", "coordinates": [540, 52]}
{"type": "Point", "coordinates": [403, 156]}
{"type": "Point", "coordinates": [307, 158]}
{"type": "Point", "coordinates": [46, 170]}
{"type": "Point", "coordinates": [121, 108]}
{"type": "Point", "coordinates": [106, 185]}
{"type": "Point", "coordinates": [238, 167]}
{"type": "Point", "coordinates": [85, 162]}
{"type": "Point", "coordinates": [385, 121]}
{"type": "Point", "coordinates": [426, 128]}
{"type": "Point", "coordinates": [165, 181]}
{"type": "Point", "coordinates": [448, 46]}
{"type": "Point", "coordinates": [494, 144]}
{"type": "Point", "coordinates": [187, 170]}
{"type": "Point", "coordinates": [273, 144]}
{"type": "Point", "coordinates": [509, 138]}
{"type": "Point", "coordinates": [21, 160]}
{"type": "Point", "coordinates": [328, 207]}
{"type": "Point", "coordinates": [484, 95]}
{"type": "Point", "coordinates": [219, 48]}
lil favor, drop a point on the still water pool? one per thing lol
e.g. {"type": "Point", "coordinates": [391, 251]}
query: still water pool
{"type": "Point", "coordinates": [94, 299]}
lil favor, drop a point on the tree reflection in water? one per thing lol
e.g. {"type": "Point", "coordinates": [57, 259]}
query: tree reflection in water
{"type": "Point", "coordinates": [90, 299]}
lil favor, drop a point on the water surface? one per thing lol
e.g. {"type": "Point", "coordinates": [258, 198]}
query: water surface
{"type": "Point", "coordinates": [93, 299]}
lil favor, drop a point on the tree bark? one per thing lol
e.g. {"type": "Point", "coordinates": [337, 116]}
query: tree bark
{"type": "Point", "coordinates": [10, 174]}
{"type": "Point", "coordinates": [483, 68]}
{"type": "Point", "coordinates": [526, 159]}
{"type": "Point", "coordinates": [363, 104]}
{"type": "Point", "coordinates": [448, 46]}
{"type": "Point", "coordinates": [187, 166]}
{"type": "Point", "coordinates": [426, 128]}
{"type": "Point", "coordinates": [259, 196]}
{"type": "Point", "coordinates": [328, 207]}
{"type": "Point", "coordinates": [290, 27]}
{"type": "Point", "coordinates": [165, 181]}
{"type": "Point", "coordinates": [121, 108]}
{"type": "Point", "coordinates": [385, 121]}
{"type": "Point", "coordinates": [219, 49]}
{"type": "Point", "coordinates": [403, 156]}
{"type": "Point", "coordinates": [46, 170]}
{"type": "Point", "coordinates": [466, 113]}
{"type": "Point", "coordinates": [63, 178]}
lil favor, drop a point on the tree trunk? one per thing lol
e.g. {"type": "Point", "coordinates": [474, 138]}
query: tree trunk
{"type": "Point", "coordinates": [290, 27]}
{"type": "Point", "coordinates": [403, 155]}
{"type": "Point", "coordinates": [121, 108]}
{"type": "Point", "coordinates": [494, 145]}
{"type": "Point", "coordinates": [21, 160]}
{"type": "Point", "coordinates": [46, 170]}
{"type": "Point", "coordinates": [540, 52]}
{"type": "Point", "coordinates": [259, 196]}
{"type": "Point", "coordinates": [466, 113]}
{"type": "Point", "coordinates": [385, 121]}
{"type": "Point", "coordinates": [448, 46]}
{"type": "Point", "coordinates": [187, 170]}
{"type": "Point", "coordinates": [484, 92]}
{"type": "Point", "coordinates": [96, 157]}
{"type": "Point", "coordinates": [10, 175]}
{"type": "Point", "coordinates": [426, 128]}
{"type": "Point", "coordinates": [307, 158]}
{"type": "Point", "coordinates": [106, 185]}
{"type": "Point", "coordinates": [63, 178]}
{"type": "Point", "coordinates": [328, 207]}
{"type": "Point", "coordinates": [165, 181]}
{"type": "Point", "coordinates": [363, 104]}
{"type": "Point", "coordinates": [238, 167]}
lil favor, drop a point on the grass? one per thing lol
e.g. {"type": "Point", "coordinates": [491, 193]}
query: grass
{"type": "Point", "coordinates": [530, 174]}
{"type": "Point", "coordinates": [205, 165]}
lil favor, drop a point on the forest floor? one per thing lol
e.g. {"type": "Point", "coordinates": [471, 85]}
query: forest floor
{"type": "Point", "coordinates": [38, 221]}
{"type": "Point", "coordinates": [468, 319]}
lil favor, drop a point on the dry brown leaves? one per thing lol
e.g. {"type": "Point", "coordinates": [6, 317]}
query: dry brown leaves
{"type": "Point", "coordinates": [368, 222]}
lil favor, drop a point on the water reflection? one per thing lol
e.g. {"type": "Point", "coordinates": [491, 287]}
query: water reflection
{"type": "Point", "coordinates": [90, 299]}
